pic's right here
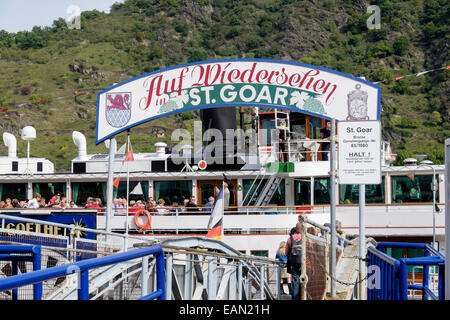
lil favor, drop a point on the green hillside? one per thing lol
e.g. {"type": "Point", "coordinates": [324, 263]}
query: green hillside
{"type": "Point", "coordinates": [50, 76]}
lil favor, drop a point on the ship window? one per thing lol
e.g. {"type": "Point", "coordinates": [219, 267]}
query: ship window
{"type": "Point", "coordinates": [413, 188]}
{"type": "Point", "coordinates": [138, 190]}
{"type": "Point", "coordinates": [302, 192]}
{"type": "Point", "coordinates": [277, 199]}
{"type": "Point", "coordinates": [321, 191]}
{"type": "Point", "coordinates": [298, 128]}
{"type": "Point", "coordinates": [81, 191]}
{"type": "Point", "coordinates": [39, 167]}
{"type": "Point", "coordinates": [48, 190]}
{"type": "Point", "coordinates": [15, 166]}
{"type": "Point", "coordinates": [267, 125]}
{"type": "Point", "coordinates": [259, 253]}
{"type": "Point", "coordinates": [173, 191]}
{"type": "Point", "coordinates": [315, 124]}
{"type": "Point", "coordinates": [349, 193]}
{"type": "Point", "coordinates": [13, 191]}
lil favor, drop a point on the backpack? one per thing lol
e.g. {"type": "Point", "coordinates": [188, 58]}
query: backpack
{"type": "Point", "coordinates": [295, 254]}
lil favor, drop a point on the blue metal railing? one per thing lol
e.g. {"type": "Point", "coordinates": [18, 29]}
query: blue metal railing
{"type": "Point", "coordinates": [393, 273]}
{"type": "Point", "coordinates": [28, 253]}
{"type": "Point", "coordinates": [83, 268]}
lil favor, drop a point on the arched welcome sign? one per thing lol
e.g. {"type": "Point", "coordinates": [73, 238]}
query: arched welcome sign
{"type": "Point", "coordinates": [235, 82]}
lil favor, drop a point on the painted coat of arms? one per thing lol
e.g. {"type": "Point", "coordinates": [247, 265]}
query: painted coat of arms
{"type": "Point", "coordinates": [118, 109]}
{"type": "Point", "coordinates": [357, 104]}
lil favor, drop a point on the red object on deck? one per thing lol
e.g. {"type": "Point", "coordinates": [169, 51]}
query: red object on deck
{"type": "Point", "coordinates": [303, 210]}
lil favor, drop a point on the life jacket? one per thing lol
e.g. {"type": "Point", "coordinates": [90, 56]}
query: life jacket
{"type": "Point", "coordinates": [295, 253]}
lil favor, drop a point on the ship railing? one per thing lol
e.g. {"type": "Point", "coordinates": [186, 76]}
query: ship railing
{"type": "Point", "coordinates": [230, 210]}
{"type": "Point", "coordinates": [391, 275]}
{"type": "Point", "coordinates": [73, 242]}
{"type": "Point", "coordinates": [83, 268]}
{"type": "Point", "coordinates": [297, 150]}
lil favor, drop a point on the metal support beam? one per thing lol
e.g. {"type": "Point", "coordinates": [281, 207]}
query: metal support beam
{"type": "Point", "coordinates": [447, 219]}
{"type": "Point", "coordinates": [169, 271]}
{"type": "Point", "coordinates": [109, 191]}
{"type": "Point", "coordinates": [333, 158]}
{"type": "Point", "coordinates": [212, 279]}
{"type": "Point", "coordinates": [188, 278]}
{"type": "Point", "coordinates": [261, 282]}
{"type": "Point", "coordinates": [144, 277]}
{"type": "Point", "coordinates": [362, 241]}
{"type": "Point", "coordinates": [239, 280]}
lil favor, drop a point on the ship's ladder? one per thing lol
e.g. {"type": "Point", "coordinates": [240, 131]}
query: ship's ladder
{"type": "Point", "coordinates": [268, 191]}
{"type": "Point", "coordinates": [252, 191]}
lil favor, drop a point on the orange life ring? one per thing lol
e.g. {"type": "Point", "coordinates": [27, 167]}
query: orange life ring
{"type": "Point", "coordinates": [147, 225]}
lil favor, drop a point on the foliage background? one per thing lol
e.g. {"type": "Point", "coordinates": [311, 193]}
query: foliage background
{"type": "Point", "coordinates": [50, 76]}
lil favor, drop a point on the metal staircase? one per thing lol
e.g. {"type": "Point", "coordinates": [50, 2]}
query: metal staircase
{"type": "Point", "coordinates": [268, 191]}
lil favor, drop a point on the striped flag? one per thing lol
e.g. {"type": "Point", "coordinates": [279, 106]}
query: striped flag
{"type": "Point", "coordinates": [215, 224]}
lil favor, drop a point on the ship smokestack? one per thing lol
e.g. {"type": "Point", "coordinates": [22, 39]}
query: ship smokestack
{"type": "Point", "coordinates": [10, 141]}
{"type": "Point", "coordinates": [80, 141]}
{"type": "Point", "coordinates": [221, 119]}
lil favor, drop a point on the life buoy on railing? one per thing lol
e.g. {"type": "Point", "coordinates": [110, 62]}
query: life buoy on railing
{"type": "Point", "coordinates": [147, 225]}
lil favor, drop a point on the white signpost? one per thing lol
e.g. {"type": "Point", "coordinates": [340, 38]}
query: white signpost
{"type": "Point", "coordinates": [359, 162]}
{"type": "Point", "coordinates": [359, 156]}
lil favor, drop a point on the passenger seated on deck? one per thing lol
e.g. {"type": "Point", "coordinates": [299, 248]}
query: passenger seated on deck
{"type": "Point", "coordinates": [161, 206]}
{"type": "Point", "coordinates": [72, 204]}
{"type": "Point", "coordinates": [42, 203]}
{"type": "Point", "coordinates": [15, 203]}
{"type": "Point", "coordinates": [91, 203]}
{"type": "Point", "coordinates": [55, 199]}
{"type": "Point", "coordinates": [132, 208]}
{"type": "Point", "coordinates": [2, 204]}
{"type": "Point", "coordinates": [191, 205]}
{"type": "Point", "coordinates": [8, 204]}
{"type": "Point", "coordinates": [209, 205]}
{"type": "Point", "coordinates": [175, 208]}
{"type": "Point", "coordinates": [34, 203]}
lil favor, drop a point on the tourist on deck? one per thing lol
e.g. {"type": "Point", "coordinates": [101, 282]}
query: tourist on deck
{"type": "Point", "coordinates": [294, 255]}
{"type": "Point", "coordinates": [42, 203]}
{"type": "Point", "coordinates": [62, 204]}
{"type": "Point", "coordinates": [55, 199]}
{"type": "Point", "coordinates": [8, 204]}
{"type": "Point", "coordinates": [2, 204]}
{"type": "Point", "coordinates": [23, 204]}
{"type": "Point", "coordinates": [340, 232]}
{"type": "Point", "coordinates": [91, 203]}
{"type": "Point", "coordinates": [283, 146]}
{"type": "Point", "coordinates": [117, 206]}
{"type": "Point", "coordinates": [151, 207]}
{"type": "Point", "coordinates": [161, 206]}
{"type": "Point", "coordinates": [15, 203]}
{"type": "Point", "coordinates": [191, 205]}
{"type": "Point", "coordinates": [325, 133]}
{"type": "Point", "coordinates": [72, 204]}
{"type": "Point", "coordinates": [209, 205]}
{"type": "Point", "coordinates": [151, 204]}
{"type": "Point", "coordinates": [34, 203]}
{"type": "Point", "coordinates": [285, 278]}
{"type": "Point", "coordinates": [175, 210]}
{"type": "Point", "coordinates": [132, 208]}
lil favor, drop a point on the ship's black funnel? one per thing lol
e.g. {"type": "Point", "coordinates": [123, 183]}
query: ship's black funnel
{"type": "Point", "coordinates": [220, 119]}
